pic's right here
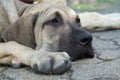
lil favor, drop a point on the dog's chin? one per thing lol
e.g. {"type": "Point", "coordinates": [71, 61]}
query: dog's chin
{"type": "Point", "coordinates": [81, 52]}
{"type": "Point", "coordinates": [78, 51]}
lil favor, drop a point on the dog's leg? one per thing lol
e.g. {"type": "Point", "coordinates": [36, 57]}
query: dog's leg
{"type": "Point", "coordinates": [15, 54]}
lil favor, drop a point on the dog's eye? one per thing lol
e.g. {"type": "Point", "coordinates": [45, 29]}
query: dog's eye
{"type": "Point", "coordinates": [77, 20]}
{"type": "Point", "coordinates": [53, 22]}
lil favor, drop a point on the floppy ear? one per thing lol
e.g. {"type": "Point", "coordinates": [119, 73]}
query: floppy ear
{"type": "Point", "coordinates": [22, 31]}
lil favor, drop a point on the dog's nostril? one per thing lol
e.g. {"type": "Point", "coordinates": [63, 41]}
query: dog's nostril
{"type": "Point", "coordinates": [86, 39]}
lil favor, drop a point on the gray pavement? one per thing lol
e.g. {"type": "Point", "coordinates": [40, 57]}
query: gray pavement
{"type": "Point", "coordinates": [113, 6]}
{"type": "Point", "coordinates": [105, 65]}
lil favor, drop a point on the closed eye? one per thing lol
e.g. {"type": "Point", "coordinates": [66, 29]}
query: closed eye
{"type": "Point", "coordinates": [77, 21]}
{"type": "Point", "coordinates": [53, 22]}
{"type": "Point", "coordinates": [56, 21]}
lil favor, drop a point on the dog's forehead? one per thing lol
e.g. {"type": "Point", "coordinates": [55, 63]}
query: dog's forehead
{"type": "Point", "coordinates": [72, 12]}
{"type": "Point", "coordinates": [62, 9]}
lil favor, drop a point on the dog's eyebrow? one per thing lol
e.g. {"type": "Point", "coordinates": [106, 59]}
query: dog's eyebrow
{"type": "Point", "coordinates": [58, 15]}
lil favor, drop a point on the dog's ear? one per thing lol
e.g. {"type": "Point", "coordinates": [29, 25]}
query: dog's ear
{"type": "Point", "coordinates": [21, 6]}
{"type": "Point", "coordinates": [22, 31]}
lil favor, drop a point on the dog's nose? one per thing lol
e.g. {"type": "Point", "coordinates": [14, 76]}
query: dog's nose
{"type": "Point", "coordinates": [85, 38]}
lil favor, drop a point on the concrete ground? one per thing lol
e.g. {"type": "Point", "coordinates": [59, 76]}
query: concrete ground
{"type": "Point", "coordinates": [105, 65]}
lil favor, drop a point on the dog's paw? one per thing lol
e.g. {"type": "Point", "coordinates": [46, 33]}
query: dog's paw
{"type": "Point", "coordinates": [51, 63]}
{"type": "Point", "coordinates": [16, 64]}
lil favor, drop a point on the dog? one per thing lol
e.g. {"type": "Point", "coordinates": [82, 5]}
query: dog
{"type": "Point", "coordinates": [44, 36]}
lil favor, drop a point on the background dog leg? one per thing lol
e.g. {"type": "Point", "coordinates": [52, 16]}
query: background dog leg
{"type": "Point", "coordinates": [92, 21]}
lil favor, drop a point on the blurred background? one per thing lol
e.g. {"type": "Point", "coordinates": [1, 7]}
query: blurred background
{"type": "Point", "coordinates": [102, 6]}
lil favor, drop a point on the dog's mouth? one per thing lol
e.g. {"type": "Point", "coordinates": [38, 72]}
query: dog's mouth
{"type": "Point", "coordinates": [78, 44]}
{"type": "Point", "coordinates": [77, 51]}
{"type": "Point", "coordinates": [80, 52]}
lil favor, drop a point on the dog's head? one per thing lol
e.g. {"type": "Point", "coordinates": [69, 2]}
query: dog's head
{"type": "Point", "coordinates": [54, 28]}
